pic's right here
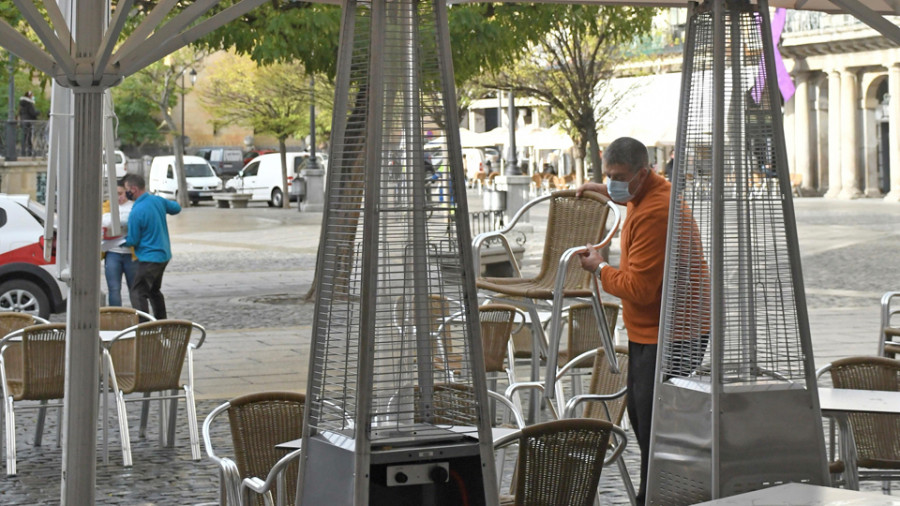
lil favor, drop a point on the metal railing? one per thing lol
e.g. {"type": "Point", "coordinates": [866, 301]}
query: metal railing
{"type": "Point", "coordinates": [39, 133]}
{"type": "Point", "coordinates": [485, 221]}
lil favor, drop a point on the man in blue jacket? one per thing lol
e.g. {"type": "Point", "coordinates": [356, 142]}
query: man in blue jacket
{"type": "Point", "coordinates": [148, 234]}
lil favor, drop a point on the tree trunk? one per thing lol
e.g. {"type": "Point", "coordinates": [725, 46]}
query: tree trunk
{"type": "Point", "coordinates": [182, 195]}
{"type": "Point", "coordinates": [286, 192]}
{"type": "Point", "coordinates": [593, 147]}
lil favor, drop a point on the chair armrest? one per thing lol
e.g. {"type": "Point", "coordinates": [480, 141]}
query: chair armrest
{"type": "Point", "coordinates": [38, 319]}
{"type": "Point", "coordinates": [520, 420]}
{"type": "Point", "coordinates": [207, 423]}
{"type": "Point", "coordinates": [574, 401]}
{"type": "Point", "coordinates": [264, 487]}
{"type": "Point", "coordinates": [202, 334]}
{"type": "Point", "coordinates": [481, 238]}
{"type": "Point", "coordinates": [142, 314]}
{"type": "Point", "coordinates": [619, 448]}
{"type": "Point", "coordinates": [535, 385]}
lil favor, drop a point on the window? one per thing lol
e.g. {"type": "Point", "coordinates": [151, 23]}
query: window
{"type": "Point", "coordinates": [170, 174]}
{"type": "Point", "coordinates": [251, 169]}
{"type": "Point", "coordinates": [198, 170]}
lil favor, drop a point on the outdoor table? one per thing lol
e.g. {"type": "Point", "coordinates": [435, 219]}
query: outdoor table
{"type": "Point", "coordinates": [839, 403]}
{"type": "Point", "coordinates": [801, 493]}
{"type": "Point", "coordinates": [498, 432]}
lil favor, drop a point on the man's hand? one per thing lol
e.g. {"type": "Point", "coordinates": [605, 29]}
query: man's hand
{"type": "Point", "coordinates": [591, 259]}
{"type": "Point", "coordinates": [592, 187]}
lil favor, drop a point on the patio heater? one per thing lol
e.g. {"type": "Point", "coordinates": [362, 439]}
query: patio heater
{"type": "Point", "coordinates": [396, 394]}
{"type": "Point", "coordinates": [736, 406]}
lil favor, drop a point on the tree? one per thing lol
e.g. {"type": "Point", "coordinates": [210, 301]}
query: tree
{"type": "Point", "coordinates": [270, 99]}
{"type": "Point", "coordinates": [137, 111]}
{"type": "Point", "coordinates": [571, 66]}
{"type": "Point", "coordinates": [163, 81]}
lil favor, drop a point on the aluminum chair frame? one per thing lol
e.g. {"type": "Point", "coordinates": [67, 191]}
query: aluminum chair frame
{"type": "Point", "coordinates": [556, 304]}
{"type": "Point", "coordinates": [887, 346]}
{"type": "Point", "coordinates": [187, 387]}
{"type": "Point", "coordinates": [233, 490]}
{"type": "Point", "coordinates": [48, 382]}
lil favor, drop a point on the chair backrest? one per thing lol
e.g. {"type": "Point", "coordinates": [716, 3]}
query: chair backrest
{"type": "Point", "coordinates": [159, 351]}
{"type": "Point", "coordinates": [497, 322]}
{"type": "Point", "coordinates": [258, 423]}
{"type": "Point", "coordinates": [876, 435]}
{"type": "Point", "coordinates": [11, 321]}
{"type": "Point", "coordinates": [118, 318]}
{"type": "Point", "coordinates": [452, 404]}
{"type": "Point", "coordinates": [43, 362]}
{"type": "Point", "coordinates": [571, 222]}
{"type": "Point", "coordinates": [560, 462]}
{"type": "Point", "coordinates": [606, 382]}
{"type": "Point", "coordinates": [439, 310]}
{"type": "Point", "coordinates": [584, 332]}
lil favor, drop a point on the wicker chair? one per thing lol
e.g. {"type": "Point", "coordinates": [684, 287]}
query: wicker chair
{"type": "Point", "coordinates": [157, 352]}
{"type": "Point", "coordinates": [572, 223]}
{"type": "Point", "coordinates": [258, 423]}
{"type": "Point", "coordinates": [560, 462]}
{"type": "Point", "coordinates": [889, 339]}
{"type": "Point", "coordinates": [583, 337]}
{"type": "Point", "coordinates": [877, 436]}
{"type": "Point", "coordinates": [41, 362]}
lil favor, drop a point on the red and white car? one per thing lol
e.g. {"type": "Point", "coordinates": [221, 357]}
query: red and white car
{"type": "Point", "coordinates": [28, 283]}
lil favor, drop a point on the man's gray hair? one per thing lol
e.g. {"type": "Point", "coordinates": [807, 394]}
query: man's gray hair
{"type": "Point", "coordinates": [628, 152]}
{"type": "Point", "coordinates": [134, 180]}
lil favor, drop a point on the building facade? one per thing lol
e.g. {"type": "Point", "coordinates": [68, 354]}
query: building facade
{"type": "Point", "coordinates": [841, 125]}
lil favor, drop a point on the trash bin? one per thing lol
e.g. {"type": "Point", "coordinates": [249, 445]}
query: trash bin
{"type": "Point", "coordinates": [494, 200]}
{"type": "Point", "coordinates": [298, 188]}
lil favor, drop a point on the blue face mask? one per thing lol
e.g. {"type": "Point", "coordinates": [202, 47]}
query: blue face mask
{"type": "Point", "coordinates": [618, 190]}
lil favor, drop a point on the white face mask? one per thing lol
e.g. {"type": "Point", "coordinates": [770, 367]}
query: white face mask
{"type": "Point", "coordinates": [618, 190]}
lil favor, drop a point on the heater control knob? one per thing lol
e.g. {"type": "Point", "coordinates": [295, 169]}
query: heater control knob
{"type": "Point", "coordinates": [401, 477]}
{"type": "Point", "coordinates": [438, 474]}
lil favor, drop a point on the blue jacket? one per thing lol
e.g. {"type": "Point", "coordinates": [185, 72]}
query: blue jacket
{"type": "Point", "coordinates": [147, 229]}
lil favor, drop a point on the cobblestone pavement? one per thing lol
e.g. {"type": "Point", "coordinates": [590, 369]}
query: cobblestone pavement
{"type": "Point", "coordinates": [242, 274]}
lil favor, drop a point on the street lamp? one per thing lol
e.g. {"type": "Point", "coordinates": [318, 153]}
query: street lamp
{"type": "Point", "coordinates": [193, 74]}
{"type": "Point", "coordinates": [11, 112]}
{"type": "Point", "coordinates": [312, 124]}
{"type": "Point", "coordinates": [512, 165]}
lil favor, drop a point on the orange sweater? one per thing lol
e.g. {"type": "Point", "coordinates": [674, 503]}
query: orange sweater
{"type": "Point", "coordinates": [638, 280]}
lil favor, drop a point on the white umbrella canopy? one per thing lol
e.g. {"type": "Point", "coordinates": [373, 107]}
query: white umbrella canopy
{"type": "Point", "coordinates": [545, 138]}
{"type": "Point", "coordinates": [648, 111]}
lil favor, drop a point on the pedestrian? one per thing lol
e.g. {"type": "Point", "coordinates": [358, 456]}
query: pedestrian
{"type": "Point", "coordinates": [670, 165]}
{"type": "Point", "coordinates": [118, 258]}
{"type": "Point", "coordinates": [638, 279]}
{"type": "Point", "coordinates": [27, 114]}
{"type": "Point", "coordinates": [148, 234]}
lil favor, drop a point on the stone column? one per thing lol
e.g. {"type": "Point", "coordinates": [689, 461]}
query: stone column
{"type": "Point", "coordinates": [894, 131]}
{"type": "Point", "coordinates": [516, 188]}
{"type": "Point", "coordinates": [802, 159]}
{"type": "Point", "coordinates": [849, 136]}
{"type": "Point", "coordinates": [834, 134]}
{"type": "Point", "coordinates": [821, 141]}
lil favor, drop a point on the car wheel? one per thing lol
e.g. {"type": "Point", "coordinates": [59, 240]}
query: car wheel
{"type": "Point", "coordinates": [24, 296]}
{"type": "Point", "coordinates": [277, 198]}
{"type": "Point", "coordinates": [195, 202]}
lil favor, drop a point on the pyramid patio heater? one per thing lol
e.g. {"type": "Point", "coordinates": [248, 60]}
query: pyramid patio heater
{"type": "Point", "coordinates": [396, 394]}
{"type": "Point", "coordinates": [736, 406]}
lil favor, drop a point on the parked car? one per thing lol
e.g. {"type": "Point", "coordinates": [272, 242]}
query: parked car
{"type": "Point", "coordinates": [253, 153]}
{"type": "Point", "coordinates": [202, 181]}
{"type": "Point", "coordinates": [225, 161]}
{"type": "Point", "coordinates": [121, 161]}
{"type": "Point", "coordinates": [261, 178]}
{"type": "Point", "coordinates": [27, 282]}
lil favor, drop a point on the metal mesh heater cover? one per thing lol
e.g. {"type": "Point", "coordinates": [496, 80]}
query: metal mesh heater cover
{"type": "Point", "coordinates": [736, 406]}
{"type": "Point", "coordinates": [397, 392]}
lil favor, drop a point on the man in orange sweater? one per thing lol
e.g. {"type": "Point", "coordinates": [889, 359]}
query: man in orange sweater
{"type": "Point", "coordinates": [638, 280]}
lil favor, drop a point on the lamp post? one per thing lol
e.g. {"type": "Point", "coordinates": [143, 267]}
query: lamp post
{"type": "Point", "coordinates": [193, 74]}
{"type": "Point", "coordinates": [11, 112]}
{"type": "Point", "coordinates": [312, 124]}
{"type": "Point", "coordinates": [512, 166]}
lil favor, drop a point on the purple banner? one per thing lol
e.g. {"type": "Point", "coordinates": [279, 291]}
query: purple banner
{"type": "Point", "coordinates": [785, 83]}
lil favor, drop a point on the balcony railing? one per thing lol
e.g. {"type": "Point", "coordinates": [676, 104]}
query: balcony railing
{"type": "Point", "coordinates": [37, 130]}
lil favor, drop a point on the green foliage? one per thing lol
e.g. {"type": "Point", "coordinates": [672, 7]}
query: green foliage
{"type": "Point", "coordinates": [270, 99]}
{"type": "Point", "coordinates": [137, 112]}
{"type": "Point", "coordinates": [284, 32]}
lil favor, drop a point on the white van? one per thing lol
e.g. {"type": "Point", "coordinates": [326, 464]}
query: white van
{"type": "Point", "coordinates": [261, 177]}
{"type": "Point", "coordinates": [202, 181]}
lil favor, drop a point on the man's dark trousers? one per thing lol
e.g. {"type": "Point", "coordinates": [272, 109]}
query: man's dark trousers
{"type": "Point", "coordinates": [641, 378]}
{"type": "Point", "coordinates": [146, 288]}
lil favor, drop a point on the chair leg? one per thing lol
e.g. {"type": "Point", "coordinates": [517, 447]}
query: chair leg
{"type": "Point", "coordinates": [39, 425]}
{"type": "Point", "coordinates": [191, 409]}
{"type": "Point", "coordinates": [626, 479]}
{"type": "Point", "coordinates": [173, 415]}
{"type": "Point", "coordinates": [10, 436]}
{"type": "Point", "coordinates": [145, 409]}
{"type": "Point", "coordinates": [123, 428]}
